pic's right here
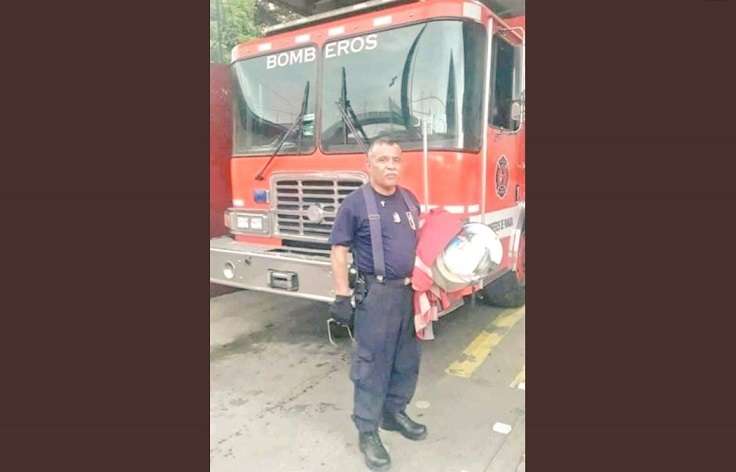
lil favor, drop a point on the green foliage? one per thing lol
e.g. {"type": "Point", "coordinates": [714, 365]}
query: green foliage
{"type": "Point", "coordinates": [238, 21]}
{"type": "Point", "coordinates": [232, 24]}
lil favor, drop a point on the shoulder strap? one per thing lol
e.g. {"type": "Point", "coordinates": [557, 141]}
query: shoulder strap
{"type": "Point", "coordinates": [374, 220]}
{"type": "Point", "coordinates": [409, 204]}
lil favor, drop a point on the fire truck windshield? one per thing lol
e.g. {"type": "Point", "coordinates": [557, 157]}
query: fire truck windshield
{"type": "Point", "coordinates": [270, 99]}
{"type": "Point", "coordinates": [395, 79]}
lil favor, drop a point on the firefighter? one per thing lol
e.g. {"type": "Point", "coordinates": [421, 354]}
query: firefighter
{"type": "Point", "coordinates": [379, 221]}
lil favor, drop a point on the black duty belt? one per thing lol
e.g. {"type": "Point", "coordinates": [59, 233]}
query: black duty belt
{"type": "Point", "coordinates": [371, 279]}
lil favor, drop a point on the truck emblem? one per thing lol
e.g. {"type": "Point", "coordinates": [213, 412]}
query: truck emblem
{"type": "Point", "coordinates": [502, 176]}
{"type": "Point", "coordinates": [315, 214]}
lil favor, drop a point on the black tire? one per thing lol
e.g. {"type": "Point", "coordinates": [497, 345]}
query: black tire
{"type": "Point", "coordinates": [509, 290]}
{"type": "Point", "coordinates": [505, 292]}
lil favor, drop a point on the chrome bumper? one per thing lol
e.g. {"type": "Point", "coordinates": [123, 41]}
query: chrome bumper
{"type": "Point", "coordinates": [239, 265]}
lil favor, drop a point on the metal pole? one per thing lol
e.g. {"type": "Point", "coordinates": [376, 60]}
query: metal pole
{"type": "Point", "coordinates": [523, 76]}
{"type": "Point", "coordinates": [486, 106]}
{"type": "Point", "coordinates": [426, 163]}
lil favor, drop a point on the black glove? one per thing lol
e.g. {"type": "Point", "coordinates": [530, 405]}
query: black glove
{"type": "Point", "coordinates": [342, 310]}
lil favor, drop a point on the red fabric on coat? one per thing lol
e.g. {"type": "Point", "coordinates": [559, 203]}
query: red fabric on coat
{"type": "Point", "coordinates": [436, 230]}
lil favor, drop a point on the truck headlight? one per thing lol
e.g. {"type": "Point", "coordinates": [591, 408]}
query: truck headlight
{"type": "Point", "coordinates": [256, 223]}
{"type": "Point", "coordinates": [241, 222]}
{"type": "Point", "coordinates": [245, 222]}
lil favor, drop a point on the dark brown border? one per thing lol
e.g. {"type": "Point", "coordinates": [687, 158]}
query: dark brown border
{"type": "Point", "coordinates": [630, 317]}
{"type": "Point", "coordinates": [630, 178]}
{"type": "Point", "coordinates": [104, 238]}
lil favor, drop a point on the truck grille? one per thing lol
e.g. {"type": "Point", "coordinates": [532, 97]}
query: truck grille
{"type": "Point", "coordinates": [295, 197]}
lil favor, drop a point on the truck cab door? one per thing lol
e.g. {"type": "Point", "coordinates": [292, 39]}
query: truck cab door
{"type": "Point", "coordinates": [505, 121]}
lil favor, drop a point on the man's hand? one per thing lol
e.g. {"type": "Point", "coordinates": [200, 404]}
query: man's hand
{"type": "Point", "coordinates": [342, 310]}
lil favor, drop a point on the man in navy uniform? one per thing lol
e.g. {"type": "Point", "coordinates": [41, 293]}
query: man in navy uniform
{"type": "Point", "coordinates": [379, 221]}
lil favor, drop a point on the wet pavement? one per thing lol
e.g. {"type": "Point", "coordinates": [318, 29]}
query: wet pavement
{"type": "Point", "coordinates": [280, 397]}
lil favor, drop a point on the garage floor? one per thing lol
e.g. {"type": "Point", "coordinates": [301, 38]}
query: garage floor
{"type": "Point", "coordinates": [280, 397]}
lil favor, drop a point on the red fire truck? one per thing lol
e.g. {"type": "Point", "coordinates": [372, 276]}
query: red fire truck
{"type": "Point", "coordinates": [220, 147]}
{"type": "Point", "coordinates": [220, 155]}
{"type": "Point", "coordinates": [445, 78]}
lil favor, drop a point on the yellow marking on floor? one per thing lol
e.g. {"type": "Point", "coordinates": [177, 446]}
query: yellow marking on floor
{"type": "Point", "coordinates": [478, 350]}
{"type": "Point", "coordinates": [520, 378]}
{"type": "Point", "coordinates": [507, 320]}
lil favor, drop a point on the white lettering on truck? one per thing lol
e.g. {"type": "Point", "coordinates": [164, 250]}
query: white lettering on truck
{"type": "Point", "coordinates": [330, 50]}
{"type": "Point", "coordinates": [296, 56]}
{"type": "Point", "coordinates": [310, 54]}
{"type": "Point", "coordinates": [336, 49]}
{"type": "Point", "coordinates": [351, 46]}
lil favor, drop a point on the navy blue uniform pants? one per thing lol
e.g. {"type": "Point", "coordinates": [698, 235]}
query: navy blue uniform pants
{"type": "Point", "coordinates": [385, 363]}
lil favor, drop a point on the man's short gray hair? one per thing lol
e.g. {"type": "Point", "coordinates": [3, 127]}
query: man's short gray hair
{"type": "Point", "coordinates": [382, 140]}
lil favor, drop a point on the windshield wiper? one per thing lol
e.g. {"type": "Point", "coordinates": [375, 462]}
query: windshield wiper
{"type": "Point", "coordinates": [298, 123]}
{"type": "Point", "coordinates": [405, 77]}
{"type": "Point", "coordinates": [349, 117]}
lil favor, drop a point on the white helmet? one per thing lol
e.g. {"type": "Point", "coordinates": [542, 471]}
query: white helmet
{"type": "Point", "coordinates": [470, 256]}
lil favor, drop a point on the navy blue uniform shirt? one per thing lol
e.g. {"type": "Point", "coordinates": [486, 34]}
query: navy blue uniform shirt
{"type": "Point", "coordinates": [399, 239]}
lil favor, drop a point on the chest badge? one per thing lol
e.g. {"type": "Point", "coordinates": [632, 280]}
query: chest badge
{"type": "Point", "coordinates": [383, 203]}
{"type": "Point", "coordinates": [397, 218]}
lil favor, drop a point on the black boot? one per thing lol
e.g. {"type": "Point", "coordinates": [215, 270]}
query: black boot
{"type": "Point", "coordinates": [376, 456]}
{"type": "Point", "coordinates": [401, 422]}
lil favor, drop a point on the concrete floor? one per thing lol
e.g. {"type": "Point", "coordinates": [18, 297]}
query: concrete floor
{"type": "Point", "coordinates": [280, 397]}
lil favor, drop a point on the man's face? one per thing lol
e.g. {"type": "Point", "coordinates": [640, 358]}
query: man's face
{"type": "Point", "coordinates": [384, 165]}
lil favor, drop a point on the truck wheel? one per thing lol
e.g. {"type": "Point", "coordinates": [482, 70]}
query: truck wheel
{"type": "Point", "coordinates": [509, 291]}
